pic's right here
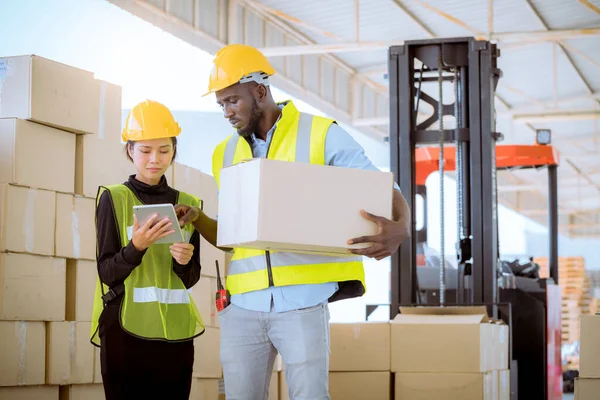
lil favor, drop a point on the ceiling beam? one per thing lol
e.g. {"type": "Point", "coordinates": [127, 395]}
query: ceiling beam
{"type": "Point", "coordinates": [347, 47]}
{"type": "Point", "coordinates": [557, 115]}
{"type": "Point", "coordinates": [424, 28]}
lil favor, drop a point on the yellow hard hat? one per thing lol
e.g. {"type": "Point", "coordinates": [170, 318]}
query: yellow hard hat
{"type": "Point", "coordinates": [237, 61]}
{"type": "Point", "coordinates": [150, 120]}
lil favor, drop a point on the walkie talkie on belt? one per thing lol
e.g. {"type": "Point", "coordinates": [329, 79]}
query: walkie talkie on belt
{"type": "Point", "coordinates": [222, 295]}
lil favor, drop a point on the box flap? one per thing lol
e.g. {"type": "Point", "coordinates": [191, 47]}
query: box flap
{"type": "Point", "coordinates": [442, 315]}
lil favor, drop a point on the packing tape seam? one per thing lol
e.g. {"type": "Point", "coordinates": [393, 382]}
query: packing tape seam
{"type": "Point", "coordinates": [72, 348]}
{"type": "Point", "coordinates": [102, 110]}
{"type": "Point", "coordinates": [75, 231]}
{"type": "Point", "coordinates": [29, 221]}
{"type": "Point", "coordinates": [22, 367]}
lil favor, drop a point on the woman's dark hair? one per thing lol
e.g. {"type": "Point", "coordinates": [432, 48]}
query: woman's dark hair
{"type": "Point", "coordinates": [131, 143]}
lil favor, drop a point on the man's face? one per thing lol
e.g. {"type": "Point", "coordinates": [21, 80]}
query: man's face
{"type": "Point", "coordinates": [241, 108]}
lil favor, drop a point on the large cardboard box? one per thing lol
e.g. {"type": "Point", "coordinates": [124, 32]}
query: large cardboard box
{"type": "Point", "coordinates": [207, 362]}
{"type": "Point", "coordinates": [360, 385]}
{"type": "Point", "coordinates": [70, 357]}
{"type": "Point", "coordinates": [23, 354]}
{"type": "Point", "coordinates": [37, 156]}
{"type": "Point", "coordinates": [203, 294]}
{"type": "Point", "coordinates": [448, 339]}
{"type": "Point", "coordinates": [29, 393]}
{"type": "Point", "coordinates": [193, 181]}
{"type": "Point", "coordinates": [82, 392]}
{"type": "Point", "coordinates": [447, 386]}
{"type": "Point", "coordinates": [27, 218]}
{"type": "Point", "coordinates": [360, 346]}
{"type": "Point", "coordinates": [276, 205]}
{"type": "Point", "coordinates": [209, 255]}
{"type": "Point", "coordinates": [587, 389]}
{"type": "Point", "coordinates": [75, 227]}
{"type": "Point", "coordinates": [503, 379]}
{"type": "Point", "coordinates": [100, 162]}
{"type": "Point", "coordinates": [204, 389]}
{"type": "Point", "coordinates": [97, 366]}
{"type": "Point", "coordinates": [32, 288]}
{"type": "Point", "coordinates": [589, 360]}
{"type": "Point", "coordinates": [81, 287]}
{"type": "Point", "coordinates": [50, 93]}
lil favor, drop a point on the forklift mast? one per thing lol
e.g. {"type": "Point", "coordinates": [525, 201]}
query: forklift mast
{"type": "Point", "coordinates": [469, 65]}
{"type": "Point", "coordinates": [421, 145]}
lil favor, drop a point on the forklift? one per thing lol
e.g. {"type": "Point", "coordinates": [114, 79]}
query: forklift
{"type": "Point", "coordinates": [420, 144]}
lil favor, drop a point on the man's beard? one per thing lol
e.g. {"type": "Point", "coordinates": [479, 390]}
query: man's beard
{"type": "Point", "coordinates": [256, 115]}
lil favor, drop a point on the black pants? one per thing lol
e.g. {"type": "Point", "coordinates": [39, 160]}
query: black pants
{"type": "Point", "coordinates": [134, 368]}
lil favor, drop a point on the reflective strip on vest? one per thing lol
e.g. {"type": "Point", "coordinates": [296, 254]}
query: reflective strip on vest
{"type": "Point", "coordinates": [303, 138]}
{"type": "Point", "coordinates": [302, 142]}
{"type": "Point", "coordinates": [164, 296]}
{"type": "Point", "coordinates": [281, 259]}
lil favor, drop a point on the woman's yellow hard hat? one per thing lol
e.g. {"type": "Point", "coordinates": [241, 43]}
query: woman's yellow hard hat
{"type": "Point", "coordinates": [234, 62]}
{"type": "Point", "coordinates": [150, 120]}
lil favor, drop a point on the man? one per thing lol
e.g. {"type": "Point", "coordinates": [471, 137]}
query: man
{"type": "Point", "coordinates": [285, 309]}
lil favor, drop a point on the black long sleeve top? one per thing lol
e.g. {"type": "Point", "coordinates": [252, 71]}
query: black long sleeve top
{"type": "Point", "coordinates": [116, 262]}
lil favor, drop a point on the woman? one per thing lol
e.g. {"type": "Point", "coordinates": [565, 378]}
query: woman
{"type": "Point", "coordinates": [144, 319]}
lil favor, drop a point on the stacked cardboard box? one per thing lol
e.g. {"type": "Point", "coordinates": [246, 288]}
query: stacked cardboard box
{"type": "Point", "coordinates": [47, 235]}
{"type": "Point", "coordinates": [60, 140]}
{"type": "Point", "coordinates": [207, 367]}
{"type": "Point", "coordinates": [451, 352]}
{"type": "Point", "coordinates": [587, 385]}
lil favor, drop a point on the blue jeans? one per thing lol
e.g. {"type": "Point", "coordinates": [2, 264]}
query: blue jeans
{"type": "Point", "coordinates": [250, 341]}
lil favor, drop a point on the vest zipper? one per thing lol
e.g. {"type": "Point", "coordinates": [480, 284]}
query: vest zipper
{"type": "Point", "coordinates": [269, 270]}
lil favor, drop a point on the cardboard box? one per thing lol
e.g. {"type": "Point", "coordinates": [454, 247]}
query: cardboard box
{"type": "Point", "coordinates": [70, 357]}
{"type": "Point", "coordinates": [360, 347]}
{"type": "Point", "coordinates": [447, 386]}
{"type": "Point", "coordinates": [274, 387]}
{"type": "Point", "coordinates": [360, 385]}
{"type": "Point", "coordinates": [449, 339]}
{"type": "Point", "coordinates": [75, 227]}
{"type": "Point", "coordinates": [284, 390]}
{"type": "Point", "coordinates": [587, 389]}
{"type": "Point", "coordinates": [81, 287]}
{"type": "Point", "coordinates": [589, 362]}
{"type": "Point", "coordinates": [97, 366]}
{"type": "Point", "coordinates": [204, 389]}
{"type": "Point", "coordinates": [23, 350]}
{"type": "Point", "coordinates": [203, 294]}
{"type": "Point", "coordinates": [37, 156]}
{"type": "Point", "coordinates": [29, 393]}
{"type": "Point", "coordinates": [209, 254]}
{"type": "Point", "coordinates": [187, 179]}
{"type": "Point", "coordinates": [276, 205]}
{"type": "Point", "coordinates": [32, 288]}
{"type": "Point", "coordinates": [50, 93]}
{"type": "Point", "coordinates": [503, 382]}
{"type": "Point", "coordinates": [27, 218]}
{"type": "Point", "coordinates": [100, 162]}
{"type": "Point", "coordinates": [82, 392]}
{"type": "Point", "coordinates": [207, 362]}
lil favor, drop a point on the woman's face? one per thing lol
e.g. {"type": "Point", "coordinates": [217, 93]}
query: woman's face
{"type": "Point", "coordinates": [151, 159]}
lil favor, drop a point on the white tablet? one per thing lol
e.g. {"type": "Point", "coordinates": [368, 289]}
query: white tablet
{"type": "Point", "coordinates": [143, 214]}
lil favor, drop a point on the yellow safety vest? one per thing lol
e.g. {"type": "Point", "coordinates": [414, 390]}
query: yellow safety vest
{"type": "Point", "coordinates": [298, 137]}
{"type": "Point", "coordinates": [156, 305]}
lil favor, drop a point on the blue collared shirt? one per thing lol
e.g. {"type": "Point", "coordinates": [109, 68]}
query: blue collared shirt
{"type": "Point", "coordinates": [341, 150]}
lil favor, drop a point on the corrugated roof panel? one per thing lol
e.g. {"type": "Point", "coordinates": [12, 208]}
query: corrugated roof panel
{"type": "Point", "coordinates": [590, 47]}
{"type": "Point", "coordinates": [183, 9]}
{"type": "Point", "coordinates": [254, 29]}
{"type": "Point", "coordinates": [513, 16]}
{"type": "Point", "coordinates": [561, 14]}
{"type": "Point", "coordinates": [527, 70]}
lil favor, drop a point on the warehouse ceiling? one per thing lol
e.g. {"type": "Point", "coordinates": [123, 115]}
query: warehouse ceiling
{"type": "Point", "coordinates": [333, 55]}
